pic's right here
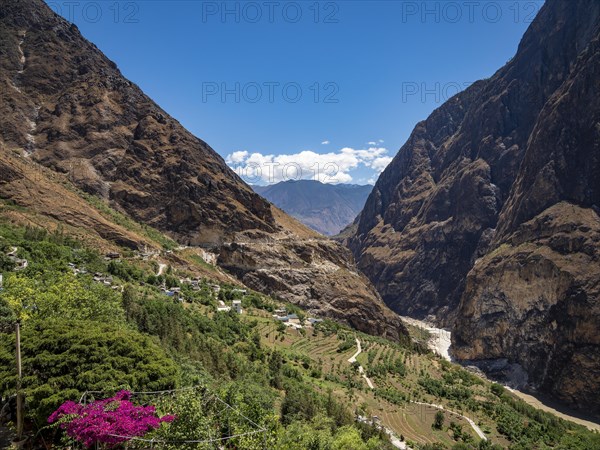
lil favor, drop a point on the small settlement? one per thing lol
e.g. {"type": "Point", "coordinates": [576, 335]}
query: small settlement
{"type": "Point", "coordinates": [292, 320]}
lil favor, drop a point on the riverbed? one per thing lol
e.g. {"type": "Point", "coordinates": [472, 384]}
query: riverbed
{"type": "Point", "coordinates": [440, 341]}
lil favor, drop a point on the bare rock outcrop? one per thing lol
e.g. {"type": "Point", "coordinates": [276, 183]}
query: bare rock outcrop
{"type": "Point", "coordinates": [315, 273]}
{"type": "Point", "coordinates": [67, 107]}
{"type": "Point", "coordinates": [487, 218]}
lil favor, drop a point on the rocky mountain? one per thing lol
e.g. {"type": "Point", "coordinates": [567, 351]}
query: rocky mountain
{"type": "Point", "coordinates": [488, 217]}
{"type": "Point", "coordinates": [70, 122]}
{"type": "Point", "coordinates": [326, 208]}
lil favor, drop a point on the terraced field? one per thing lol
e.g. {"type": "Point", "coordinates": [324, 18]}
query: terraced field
{"type": "Point", "coordinates": [321, 355]}
{"type": "Point", "coordinates": [413, 422]}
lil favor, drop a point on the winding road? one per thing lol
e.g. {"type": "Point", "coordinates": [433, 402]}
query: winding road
{"type": "Point", "coordinates": [395, 441]}
{"type": "Point", "coordinates": [352, 360]}
{"type": "Point", "coordinates": [476, 428]}
{"type": "Point", "coordinates": [161, 269]}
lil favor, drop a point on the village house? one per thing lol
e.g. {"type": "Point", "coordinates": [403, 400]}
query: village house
{"type": "Point", "coordinates": [222, 307]}
{"type": "Point", "coordinates": [74, 269]}
{"type": "Point", "coordinates": [20, 264]}
{"type": "Point", "coordinates": [147, 254]}
{"type": "Point", "coordinates": [237, 306]}
{"type": "Point", "coordinates": [106, 280]}
{"type": "Point", "coordinates": [287, 318]}
{"type": "Point", "coordinates": [174, 292]}
{"type": "Point", "coordinates": [290, 320]}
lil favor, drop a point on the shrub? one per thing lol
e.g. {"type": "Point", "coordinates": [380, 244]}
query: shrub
{"type": "Point", "coordinates": [110, 421]}
{"type": "Point", "coordinates": [497, 389]}
{"type": "Point", "coordinates": [62, 359]}
{"type": "Point", "coordinates": [438, 422]}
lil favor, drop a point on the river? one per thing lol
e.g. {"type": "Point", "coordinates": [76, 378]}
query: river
{"type": "Point", "coordinates": [440, 342]}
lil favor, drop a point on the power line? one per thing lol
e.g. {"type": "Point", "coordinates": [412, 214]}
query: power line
{"type": "Point", "coordinates": [205, 441]}
{"type": "Point", "coordinates": [211, 397]}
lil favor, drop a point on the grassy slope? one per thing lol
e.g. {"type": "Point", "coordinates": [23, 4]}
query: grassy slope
{"type": "Point", "coordinates": [315, 353]}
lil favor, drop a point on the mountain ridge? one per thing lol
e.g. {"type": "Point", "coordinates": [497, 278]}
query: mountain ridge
{"type": "Point", "coordinates": [326, 208]}
{"type": "Point", "coordinates": [487, 218]}
{"type": "Point", "coordinates": [67, 107]}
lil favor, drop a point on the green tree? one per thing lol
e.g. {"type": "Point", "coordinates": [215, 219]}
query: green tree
{"type": "Point", "coordinates": [129, 297]}
{"type": "Point", "coordinates": [438, 421]}
{"type": "Point", "coordinates": [497, 389]}
{"type": "Point", "coordinates": [348, 438]}
{"type": "Point", "coordinates": [303, 436]}
{"type": "Point", "coordinates": [61, 295]}
{"type": "Point", "coordinates": [6, 264]}
{"type": "Point", "coordinates": [62, 359]}
{"type": "Point", "coordinates": [300, 403]}
{"type": "Point", "coordinates": [7, 315]}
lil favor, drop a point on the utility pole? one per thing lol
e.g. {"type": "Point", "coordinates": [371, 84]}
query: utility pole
{"type": "Point", "coordinates": [19, 377]}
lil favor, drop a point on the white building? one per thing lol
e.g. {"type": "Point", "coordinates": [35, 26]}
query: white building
{"type": "Point", "coordinates": [237, 306]}
{"type": "Point", "coordinates": [222, 307]}
{"type": "Point", "coordinates": [21, 264]}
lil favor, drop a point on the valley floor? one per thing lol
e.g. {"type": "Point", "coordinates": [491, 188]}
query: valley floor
{"type": "Point", "coordinates": [559, 411]}
{"type": "Point", "coordinates": [440, 341]}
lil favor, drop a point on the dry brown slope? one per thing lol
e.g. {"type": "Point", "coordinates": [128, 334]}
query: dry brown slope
{"type": "Point", "coordinates": [435, 209]}
{"type": "Point", "coordinates": [535, 299]}
{"type": "Point", "coordinates": [70, 109]}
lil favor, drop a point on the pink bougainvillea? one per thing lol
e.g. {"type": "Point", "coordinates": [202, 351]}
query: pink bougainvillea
{"type": "Point", "coordinates": [110, 421]}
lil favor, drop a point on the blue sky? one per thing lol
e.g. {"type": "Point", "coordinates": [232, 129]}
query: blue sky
{"type": "Point", "coordinates": [313, 89]}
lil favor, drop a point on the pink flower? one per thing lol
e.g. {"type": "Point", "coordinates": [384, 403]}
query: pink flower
{"type": "Point", "coordinates": [111, 421]}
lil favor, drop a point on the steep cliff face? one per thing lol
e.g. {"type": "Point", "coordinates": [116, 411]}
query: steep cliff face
{"type": "Point", "coordinates": [488, 216]}
{"type": "Point", "coordinates": [316, 273]}
{"type": "Point", "coordinates": [66, 107]}
{"type": "Point", "coordinates": [535, 301]}
{"type": "Point", "coordinates": [435, 208]}
{"type": "Point", "coordinates": [73, 111]}
{"type": "Point", "coordinates": [540, 287]}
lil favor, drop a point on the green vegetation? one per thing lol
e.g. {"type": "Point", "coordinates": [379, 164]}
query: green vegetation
{"type": "Point", "coordinates": [61, 295]}
{"type": "Point", "coordinates": [81, 335]}
{"type": "Point", "coordinates": [438, 422]}
{"type": "Point", "coordinates": [121, 219]}
{"type": "Point", "coordinates": [64, 358]}
{"type": "Point", "coordinates": [199, 261]}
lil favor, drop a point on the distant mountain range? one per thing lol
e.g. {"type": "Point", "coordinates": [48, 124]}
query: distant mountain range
{"type": "Point", "coordinates": [326, 208]}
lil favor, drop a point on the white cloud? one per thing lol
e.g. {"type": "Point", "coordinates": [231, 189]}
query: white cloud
{"type": "Point", "coordinates": [237, 157]}
{"type": "Point", "coordinates": [325, 143]}
{"type": "Point", "coordinates": [372, 143]}
{"type": "Point", "coordinates": [331, 167]}
{"type": "Point", "coordinates": [379, 164]}
{"type": "Point", "coordinates": [381, 141]}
